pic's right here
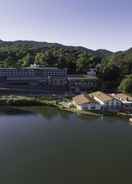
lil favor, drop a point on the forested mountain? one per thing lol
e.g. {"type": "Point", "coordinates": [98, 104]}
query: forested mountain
{"type": "Point", "coordinates": [24, 53]}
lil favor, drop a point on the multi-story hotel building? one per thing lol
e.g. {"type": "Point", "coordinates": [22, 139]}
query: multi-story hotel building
{"type": "Point", "coordinates": [48, 77]}
{"type": "Point", "coordinates": [35, 73]}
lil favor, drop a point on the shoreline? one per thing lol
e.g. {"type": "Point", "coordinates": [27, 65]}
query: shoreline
{"type": "Point", "coordinates": [21, 101]}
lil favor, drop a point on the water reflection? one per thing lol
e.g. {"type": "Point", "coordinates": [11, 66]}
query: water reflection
{"type": "Point", "coordinates": [14, 111]}
{"type": "Point", "coordinates": [49, 113]}
{"type": "Point", "coordinates": [53, 146]}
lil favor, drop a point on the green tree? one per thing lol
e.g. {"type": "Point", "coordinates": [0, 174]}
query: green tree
{"type": "Point", "coordinates": [83, 62]}
{"type": "Point", "coordinates": [40, 58]}
{"type": "Point", "coordinates": [27, 60]}
{"type": "Point", "coordinates": [110, 73]}
{"type": "Point", "coordinates": [126, 84]}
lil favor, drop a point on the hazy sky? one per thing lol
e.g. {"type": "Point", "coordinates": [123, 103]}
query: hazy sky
{"type": "Point", "coordinates": [92, 23]}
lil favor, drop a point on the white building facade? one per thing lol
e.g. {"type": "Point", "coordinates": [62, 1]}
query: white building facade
{"type": "Point", "coordinates": [125, 99]}
{"type": "Point", "coordinates": [107, 102]}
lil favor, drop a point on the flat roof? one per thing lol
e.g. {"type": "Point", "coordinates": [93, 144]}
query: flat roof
{"type": "Point", "coordinates": [30, 68]}
{"type": "Point", "coordinates": [81, 77]}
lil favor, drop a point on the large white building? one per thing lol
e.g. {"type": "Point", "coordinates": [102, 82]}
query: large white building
{"type": "Point", "coordinates": [107, 102]}
{"type": "Point", "coordinates": [33, 73]}
{"type": "Point", "coordinates": [47, 75]}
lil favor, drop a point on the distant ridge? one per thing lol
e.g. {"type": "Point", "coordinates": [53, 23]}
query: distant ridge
{"type": "Point", "coordinates": [49, 45]}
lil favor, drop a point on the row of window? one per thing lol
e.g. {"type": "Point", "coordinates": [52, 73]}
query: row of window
{"type": "Point", "coordinates": [29, 73]}
{"type": "Point", "coordinates": [84, 84]}
{"type": "Point", "coordinates": [55, 73]}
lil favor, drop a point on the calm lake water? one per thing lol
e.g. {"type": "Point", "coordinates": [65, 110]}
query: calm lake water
{"type": "Point", "coordinates": [52, 147]}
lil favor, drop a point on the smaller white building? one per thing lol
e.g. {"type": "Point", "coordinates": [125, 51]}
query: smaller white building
{"type": "Point", "coordinates": [91, 72]}
{"type": "Point", "coordinates": [125, 99]}
{"type": "Point", "coordinates": [84, 102]}
{"type": "Point", "coordinates": [107, 102]}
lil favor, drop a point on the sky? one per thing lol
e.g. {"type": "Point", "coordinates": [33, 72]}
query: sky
{"type": "Point", "coordinates": [95, 24]}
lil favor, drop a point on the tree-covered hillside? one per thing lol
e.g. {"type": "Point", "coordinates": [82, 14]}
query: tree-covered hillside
{"type": "Point", "coordinates": [24, 53]}
{"type": "Point", "coordinates": [116, 67]}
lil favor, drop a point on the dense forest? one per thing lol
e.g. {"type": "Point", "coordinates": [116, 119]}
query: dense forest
{"type": "Point", "coordinates": [24, 53]}
{"type": "Point", "coordinates": [114, 69]}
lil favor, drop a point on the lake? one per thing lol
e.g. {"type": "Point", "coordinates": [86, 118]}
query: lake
{"type": "Point", "coordinates": [47, 146]}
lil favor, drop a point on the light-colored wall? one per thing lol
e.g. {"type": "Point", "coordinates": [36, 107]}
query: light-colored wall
{"type": "Point", "coordinates": [113, 104]}
{"type": "Point", "coordinates": [89, 106]}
